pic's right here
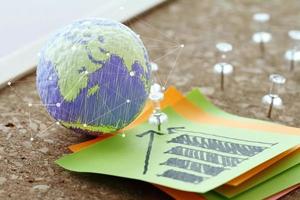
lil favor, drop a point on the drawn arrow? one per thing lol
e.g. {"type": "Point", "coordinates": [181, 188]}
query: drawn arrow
{"type": "Point", "coordinates": [172, 130]}
{"type": "Point", "coordinates": [151, 133]}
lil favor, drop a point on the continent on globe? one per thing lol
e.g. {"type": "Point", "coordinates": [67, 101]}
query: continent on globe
{"type": "Point", "coordinates": [93, 76]}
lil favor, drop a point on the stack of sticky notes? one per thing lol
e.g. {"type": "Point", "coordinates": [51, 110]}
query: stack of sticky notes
{"type": "Point", "coordinates": [202, 152]}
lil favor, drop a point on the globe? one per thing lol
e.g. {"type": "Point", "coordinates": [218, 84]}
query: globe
{"type": "Point", "coordinates": [93, 76]}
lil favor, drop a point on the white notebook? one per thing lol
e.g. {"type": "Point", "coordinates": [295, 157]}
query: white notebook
{"type": "Point", "coordinates": [25, 26]}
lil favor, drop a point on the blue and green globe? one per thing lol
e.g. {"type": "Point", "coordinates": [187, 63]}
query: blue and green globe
{"type": "Point", "coordinates": [93, 76]}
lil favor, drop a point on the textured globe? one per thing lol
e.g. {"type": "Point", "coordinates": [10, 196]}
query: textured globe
{"type": "Point", "coordinates": [93, 76]}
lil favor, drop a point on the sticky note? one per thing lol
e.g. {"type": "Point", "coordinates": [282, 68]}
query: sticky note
{"type": "Point", "coordinates": [173, 96]}
{"type": "Point", "coordinates": [183, 155]}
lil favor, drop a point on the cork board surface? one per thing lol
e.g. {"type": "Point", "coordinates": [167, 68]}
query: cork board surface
{"type": "Point", "coordinates": [27, 167]}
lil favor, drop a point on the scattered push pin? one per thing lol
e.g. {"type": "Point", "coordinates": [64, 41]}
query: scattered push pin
{"type": "Point", "coordinates": [154, 70]}
{"type": "Point", "coordinates": [154, 67]}
{"type": "Point", "coordinates": [157, 117]}
{"type": "Point", "coordinates": [223, 68]}
{"type": "Point", "coordinates": [293, 54]}
{"type": "Point", "coordinates": [272, 99]}
{"type": "Point", "coordinates": [261, 37]}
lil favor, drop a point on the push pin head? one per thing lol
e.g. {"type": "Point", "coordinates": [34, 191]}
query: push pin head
{"type": "Point", "coordinates": [157, 118]}
{"type": "Point", "coordinates": [272, 99]}
{"type": "Point", "coordinates": [156, 93]}
{"type": "Point", "coordinates": [277, 79]}
{"type": "Point", "coordinates": [154, 70]}
{"type": "Point", "coordinates": [261, 38]}
{"type": "Point", "coordinates": [294, 34]}
{"type": "Point", "coordinates": [154, 67]}
{"type": "Point", "coordinates": [224, 47]}
{"type": "Point", "coordinates": [155, 87]}
{"type": "Point", "coordinates": [293, 55]}
{"type": "Point", "coordinates": [261, 17]}
{"type": "Point", "coordinates": [223, 69]}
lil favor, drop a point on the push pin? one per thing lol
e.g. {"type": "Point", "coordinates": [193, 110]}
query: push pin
{"type": "Point", "coordinates": [293, 54]}
{"type": "Point", "coordinates": [223, 68]}
{"type": "Point", "coordinates": [261, 37]}
{"type": "Point", "coordinates": [154, 67]}
{"type": "Point", "coordinates": [272, 99]}
{"type": "Point", "coordinates": [157, 117]}
{"type": "Point", "coordinates": [154, 71]}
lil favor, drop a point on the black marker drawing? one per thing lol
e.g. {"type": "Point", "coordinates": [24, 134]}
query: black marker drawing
{"type": "Point", "coordinates": [219, 159]}
{"type": "Point", "coordinates": [172, 130]}
{"type": "Point", "coordinates": [151, 133]}
{"type": "Point", "coordinates": [206, 154]}
{"type": "Point", "coordinates": [217, 145]}
{"type": "Point", "coordinates": [197, 156]}
{"type": "Point", "coordinates": [194, 166]}
{"type": "Point", "coordinates": [182, 176]}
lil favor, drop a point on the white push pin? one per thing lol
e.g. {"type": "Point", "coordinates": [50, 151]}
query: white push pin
{"type": "Point", "coordinates": [261, 17]}
{"type": "Point", "coordinates": [154, 71]}
{"type": "Point", "coordinates": [261, 37]}
{"type": "Point", "coordinates": [223, 68]}
{"type": "Point", "coordinates": [157, 117]}
{"type": "Point", "coordinates": [224, 47]}
{"type": "Point", "coordinates": [154, 67]}
{"type": "Point", "coordinates": [155, 90]}
{"type": "Point", "coordinates": [293, 54]}
{"type": "Point", "coordinates": [272, 99]}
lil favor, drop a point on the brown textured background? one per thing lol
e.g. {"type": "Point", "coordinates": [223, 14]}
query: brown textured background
{"type": "Point", "coordinates": [27, 169]}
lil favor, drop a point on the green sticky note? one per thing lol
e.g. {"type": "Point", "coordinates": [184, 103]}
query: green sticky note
{"type": "Point", "coordinates": [283, 165]}
{"type": "Point", "coordinates": [196, 97]}
{"type": "Point", "coordinates": [278, 183]}
{"type": "Point", "coordinates": [183, 155]}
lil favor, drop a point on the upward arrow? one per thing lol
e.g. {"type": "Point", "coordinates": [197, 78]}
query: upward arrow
{"type": "Point", "coordinates": [151, 133]}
